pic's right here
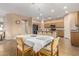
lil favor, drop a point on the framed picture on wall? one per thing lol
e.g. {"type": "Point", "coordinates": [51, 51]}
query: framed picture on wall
{"type": "Point", "coordinates": [17, 21]}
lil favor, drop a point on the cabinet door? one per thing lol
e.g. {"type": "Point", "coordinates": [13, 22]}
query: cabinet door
{"type": "Point", "coordinates": [75, 38]}
{"type": "Point", "coordinates": [59, 24]}
{"type": "Point", "coordinates": [76, 19]}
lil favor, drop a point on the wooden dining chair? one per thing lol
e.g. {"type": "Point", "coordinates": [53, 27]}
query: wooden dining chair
{"type": "Point", "coordinates": [49, 33]}
{"type": "Point", "coordinates": [39, 33]}
{"type": "Point", "coordinates": [51, 49]}
{"type": "Point", "coordinates": [23, 48]}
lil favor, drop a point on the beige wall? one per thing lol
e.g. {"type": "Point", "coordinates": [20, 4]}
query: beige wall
{"type": "Point", "coordinates": [12, 29]}
{"type": "Point", "coordinates": [35, 21]}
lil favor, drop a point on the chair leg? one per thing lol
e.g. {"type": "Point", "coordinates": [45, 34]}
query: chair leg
{"type": "Point", "coordinates": [57, 50]}
{"type": "Point", "coordinates": [38, 54]}
{"type": "Point", "coordinates": [22, 53]}
{"type": "Point", "coordinates": [33, 53]}
{"type": "Point", "coordinates": [17, 52]}
{"type": "Point", "coordinates": [57, 53]}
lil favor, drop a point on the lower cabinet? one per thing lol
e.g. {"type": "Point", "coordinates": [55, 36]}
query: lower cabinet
{"type": "Point", "coordinates": [75, 38]}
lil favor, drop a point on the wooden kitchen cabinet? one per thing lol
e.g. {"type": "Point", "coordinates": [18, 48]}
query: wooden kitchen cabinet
{"type": "Point", "coordinates": [75, 38]}
{"type": "Point", "coordinates": [77, 19]}
{"type": "Point", "coordinates": [59, 24]}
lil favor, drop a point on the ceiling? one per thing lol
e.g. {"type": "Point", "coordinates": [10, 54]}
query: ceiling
{"type": "Point", "coordinates": [39, 10]}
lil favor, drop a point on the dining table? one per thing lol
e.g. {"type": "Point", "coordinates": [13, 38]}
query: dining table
{"type": "Point", "coordinates": [37, 42]}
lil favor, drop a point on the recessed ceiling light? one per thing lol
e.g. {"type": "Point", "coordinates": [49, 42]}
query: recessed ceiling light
{"type": "Point", "coordinates": [65, 7]}
{"type": "Point", "coordinates": [41, 14]}
{"type": "Point", "coordinates": [66, 12]}
{"type": "Point", "coordinates": [37, 17]}
{"type": "Point", "coordinates": [52, 10]}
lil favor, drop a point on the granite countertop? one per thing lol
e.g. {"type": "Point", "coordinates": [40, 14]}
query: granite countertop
{"type": "Point", "coordinates": [59, 29]}
{"type": "Point", "coordinates": [74, 31]}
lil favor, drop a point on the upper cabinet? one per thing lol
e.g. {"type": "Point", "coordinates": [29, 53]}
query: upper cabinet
{"type": "Point", "coordinates": [77, 20]}
{"type": "Point", "coordinates": [59, 23]}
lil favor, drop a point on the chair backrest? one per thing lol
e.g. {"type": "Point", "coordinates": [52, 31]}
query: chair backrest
{"type": "Point", "coordinates": [20, 42]}
{"type": "Point", "coordinates": [49, 33]}
{"type": "Point", "coordinates": [54, 45]}
{"type": "Point", "coordinates": [39, 33]}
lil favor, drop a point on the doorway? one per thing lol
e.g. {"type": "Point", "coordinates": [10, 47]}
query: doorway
{"type": "Point", "coordinates": [35, 29]}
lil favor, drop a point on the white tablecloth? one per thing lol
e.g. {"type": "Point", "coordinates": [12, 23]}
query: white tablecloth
{"type": "Point", "coordinates": [37, 42]}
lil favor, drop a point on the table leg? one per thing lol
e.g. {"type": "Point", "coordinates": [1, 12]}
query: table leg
{"type": "Point", "coordinates": [4, 35]}
{"type": "Point", "coordinates": [1, 38]}
{"type": "Point", "coordinates": [38, 53]}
